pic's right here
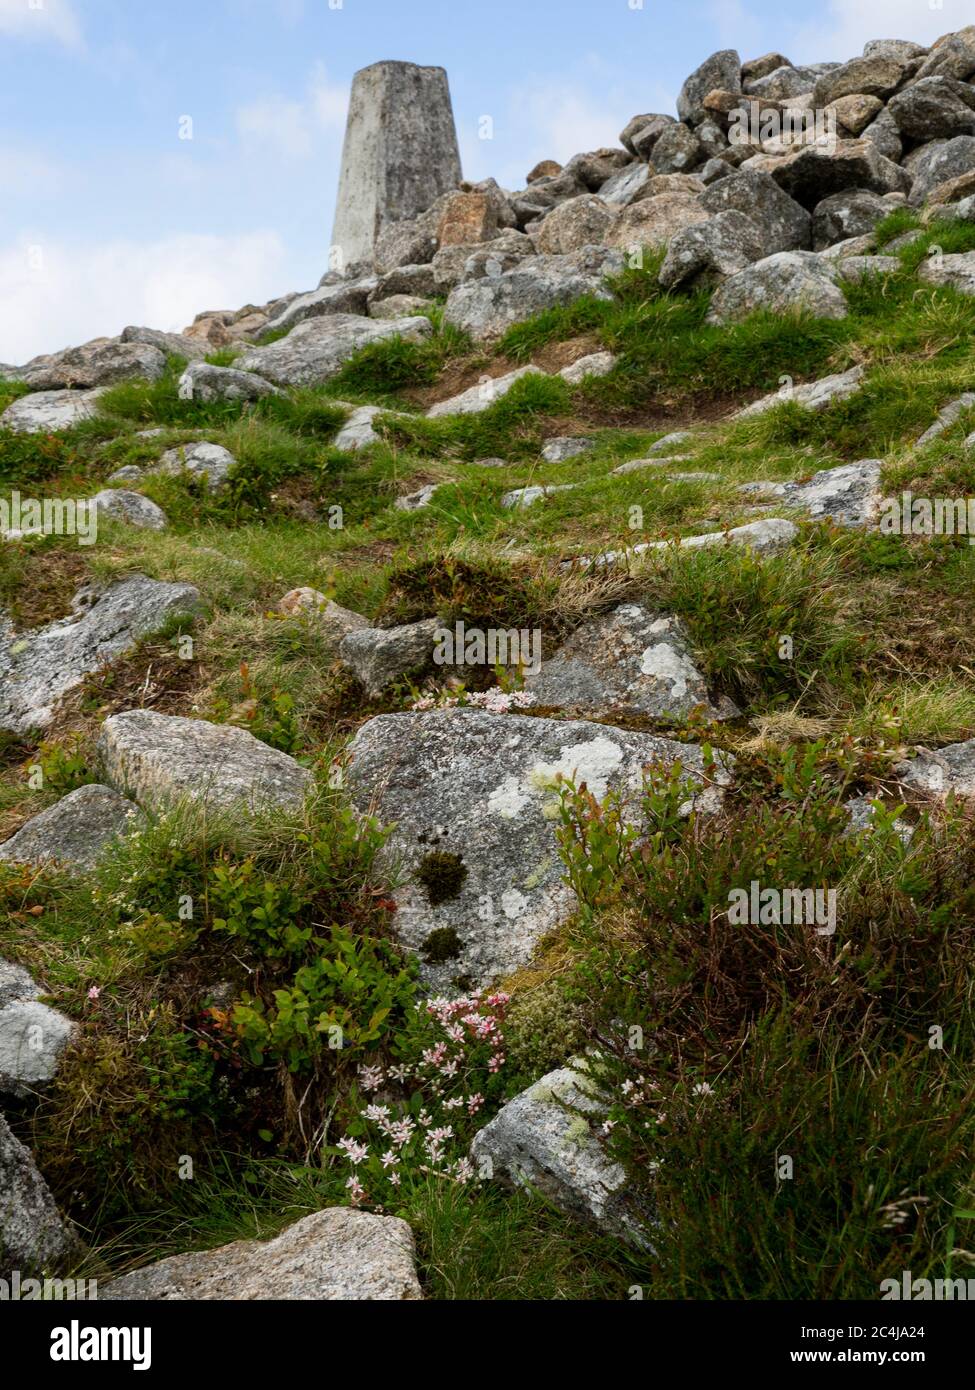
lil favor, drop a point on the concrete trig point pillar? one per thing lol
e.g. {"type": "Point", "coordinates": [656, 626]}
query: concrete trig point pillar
{"type": "Point", "coordinates": [400, 154]}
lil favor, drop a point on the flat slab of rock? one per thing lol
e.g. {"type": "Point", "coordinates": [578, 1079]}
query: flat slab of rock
{"type": "Point", "coordinates": [947, 416]}
{"type": "Point", "coordinates": [814, 395]}
{"type": "Point", "coordinates": [38, 668]}
{"type": "Point", "coordinates": [34, 1237]}
{"type": "Point", "coordinates": [338, 1253]}
{"type": "Point", "coordinates": [45, 412]}
{"type": "Point", "coordinates": [202, 381]}
{"type": "Point", "coordinates": [159, 759]}
{"type": "Point", "coordinates": [32, 1037]}
{"type": "Point", "coordinates": [75, 831]}
{"type": "Point", "coordinates": [100, 363]}
{"type": "Point", "coordinates": [483, 395]}
{"type": "Point", "coordinates": [176, 344]}
{"type": "Point", "coordinates": [317, 349]}
{"type": "Point", "coordinates": [379, 655]}
{"type": "Point", "coordinates": [628, 661]}
{"type": "Point", "coordinates": [482, 790]}
{"type": "Point", "coordinates": [541, 1141]}
{"type": "Point", "coordinates": [941, 771]}
{"type": "Point", "coordinates": [770, 534]}
{"type": "Point", "coordinates": [131, 508]}
{"type": "Point", "coordinates": [345, 297]}
{"type": "Point", "coordinates": [521, 497]}
{"type": "Point", "coordinates": [847, 495]}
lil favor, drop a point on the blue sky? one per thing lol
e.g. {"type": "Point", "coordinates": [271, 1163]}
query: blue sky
{"type": "Point", "coordinates": [108, 217]}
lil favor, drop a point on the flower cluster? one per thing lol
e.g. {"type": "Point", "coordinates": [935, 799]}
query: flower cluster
{"type": "Point", "coordinates": [426, 1111]}
{"type": "Point", "coordinates": [496, 701]}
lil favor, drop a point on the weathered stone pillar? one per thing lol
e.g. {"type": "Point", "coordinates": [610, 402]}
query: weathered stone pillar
{"type": "Point", "coordinates": [400, 154]}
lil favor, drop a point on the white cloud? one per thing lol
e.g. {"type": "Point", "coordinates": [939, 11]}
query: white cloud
{"type": "Point", "coordinates": [57, 295]}
{"type": "Point", "coordinates": [839, 33]}
{"type": "Point", "coordinates": [41, 19]}
{"type": "Point", "coordinates": [293, 129]}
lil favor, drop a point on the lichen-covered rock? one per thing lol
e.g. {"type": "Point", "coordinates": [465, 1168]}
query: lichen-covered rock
{"type": "Point", "coordinates": [130, 507]}
{"type": "Point", "coordinates": [44, 412]}
{"type": "Point", "coordinates": [678, 150]}
{"type": "Point", "coordinates": [709, 252]}
{"type": "Point", "coordinates": [813, 172]}
{"type": "Point", "coordinates": [940, 162]}
{"type": "Point", "coordinates": [847, 496]}
{"type": "Point", "coordinates": [626, 186]}
{"type": "Point", "coordinates": [159, 759]}
{"type": "Point", "coordinates": [346, 297]}
{"type": "Point", "coordinates": [204, 382]}
{"type": "Point", "coordinates": [629, 661]}
{"type": "Point", "coordinates": [100, 363]}
{"type": "Point", "coordinates": [593, 364]}
{"type": "Point", "coordinates": [812, 395]}
{"type": "Point", "coordinates": [38, 668]}
{"type": "Point", "coordinates": [946, 417]}
{"type": "Point", "coordinates": [764, 537]}
{"type": "Point", "coordinates": [572, 225]}
{"type": "Point", "coordinates": [338, 1253]}
{"type": "Point", "coordinates": [876, 75]}
{"type": "Point", "coordinates": [546, 1139]}
{"type": "Point", "coordinates": [486, 307]}
{"type": "Point", "coordinates": [655, 221]}
{"type": "Point", "coordinates": [416, 501]}
{"type": "Point", "coordinates": [317, 349]}
{"type": "Point", "coordinates": [35, 1239]}
{"type": "Point", "coordinates": [16, 983]}
{"type": "Point", "coordinates": [211, 462]}
{"type": "Point", "coordinates": [563, 447]}
{"type": "Point", "coordinates": [722, 70]}
{"type": "Point", "coordinates": [934, 108]}
{"type": "Point", "coordinates": [32, 1037]}
{"type": "Point", "coordinates": [788, 282]}
{"type": "Point", "coordinates": [782, 223]}
{"type": "Point", "coordinates": [941, 771]}
{"type": "Point", "coordinates": [856, 268]}
{"type": "Point", "coordinates": [474, 799]}
{"type": "Point", "coordinates": [521, 497]}
{"type": "Point", "coordinates": [852, 213]}
{"type": "Point", "coordinates": [378, 655]}
{"type": "Point", "coordinates": [175, 344]}
{"type": "Point", "coordinates": [957, 272]}
{"type": "Point", "coordinates": [358, 432]}
{"type": "Point", "coordinates": [75, 831]}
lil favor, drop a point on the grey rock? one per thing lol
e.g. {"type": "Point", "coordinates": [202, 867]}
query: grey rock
{"type": "Point", "coordinates": [953, 272]}
{"type": "Point", "coordinates": [639, 465]}
{"type": "Point", "coordinates": [722, 70]}
{"type": "Point", "coordinates": [813, 395]}
{"type": "Point", "coordinates": [851, 246]}
{"type": "Point", "coordinates": [632, 661]}
{"type": "Point", "coordinates": [941, 771]}
{"type": "Point", "coordinates": [847, 496]}
{"type": "Point", "coordinates": [38, 668]}
{"type": "Point", "coordinates": [378, 656]}
{"type": "Point", "coordinates": [580, 222]}
{"type": "Point", "coordinates": [901, 49]}
{"type": "Point", "coordinates": [877, 75]}
{"type": "Point", "coordinates": [521, 498]}
{"type": "Point", "coordinates": [130, 507]}
{"type": "Point", "coordinates": [641, 133]}
{"type": "Point", "coordinates": [347, 297]}
{"type": "Point", "coordinates": [813, 172]}
{"type": "Point", "coordinates": [358, 431]}
{"type": "Point", "coordinates": [416, 501]}
{"type": "Point", "coordinates": [754, 68]}
{"type": "Point", "coordinates": [211, 462]}
{"type": "Point", "coordinates": [35, 1239]}
{"type": "Point", "coordinates": [130, 473]}
{"type": "Point", "coordinates": [203, 382]}
{"type": "Point", "coordinates": [335, 1254]}
{"type": "Point", "coordinates": [677, 151]}
{"type": "Point", "coordinates": [856, 268]}
{"type": "Point", "coordinates": [706, 254]}
{"type": "Point", "coordinates": [563, 447]}
{"type": "Point", "coordinates": [101, 363]}
{"type": "Point", "coordinates": [669, 441]}
{"type": "Point", "coordinates": [484, 787]}
{"type": "Point", "coordinates": [482, 396]}
{"type": "Point", "coordinates": [763, 537]}
{"type": "Point", "coordinates": [454, 264]}
{"type": "Point", "coordinates": [938, 162]}
{"type": "Point", "coordinates": [399, 306]}
{"type": "Point", "coordinates": [787, 282]}
{"type": "Point", "coordinates": [486, 308]}
{"type": "Point", "coordinates": [882, 132]}
{"type": "Point", "coordinates": [45, 412]}
{"type": "Point", "coordinates": [934, 108]}
{"type": "Point", "coordinates": [400, 152]}
{"type": "Point", "coordinates": [780, 84]}
{"type": "Point", "coordinates": [74, 832]}
{"type": "Point", "coordinates": [954, 56]}
{"type": "Point", "coordinates": [593, 364]}
{"type": "Point", "coordinates": [410, 242]}
{"type": "Point", "coordinates": [782, 223]}
{"type": "Point", "coordinates": [854, 212]}
{"type": "Point", "coordinates": [546, 1139]}
{"type": "Point", "coordinates": [317, 349]}
{"type": "Point", "coordinates": [405, 279]}
{"type": "Point", "coordinates": [655, 220]}
{"type": "Point", "coordinates": [172, 344]}
{"type": "Point", "coordinates": [16, 983]}
{"type": "Point", "coordinates": [159, 759]}
{"type": "Point", "coordinates": [947, 416]}
{"type": "Point", "coordinates": [626, 186]}
{"type": "Point", "coordinates": [32, 1038]}
{"type": "Point", "coordinates": [855, 112]}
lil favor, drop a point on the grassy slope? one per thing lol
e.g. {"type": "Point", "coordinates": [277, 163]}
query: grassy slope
{"type": "Point", "coordinates": [883, 657]}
